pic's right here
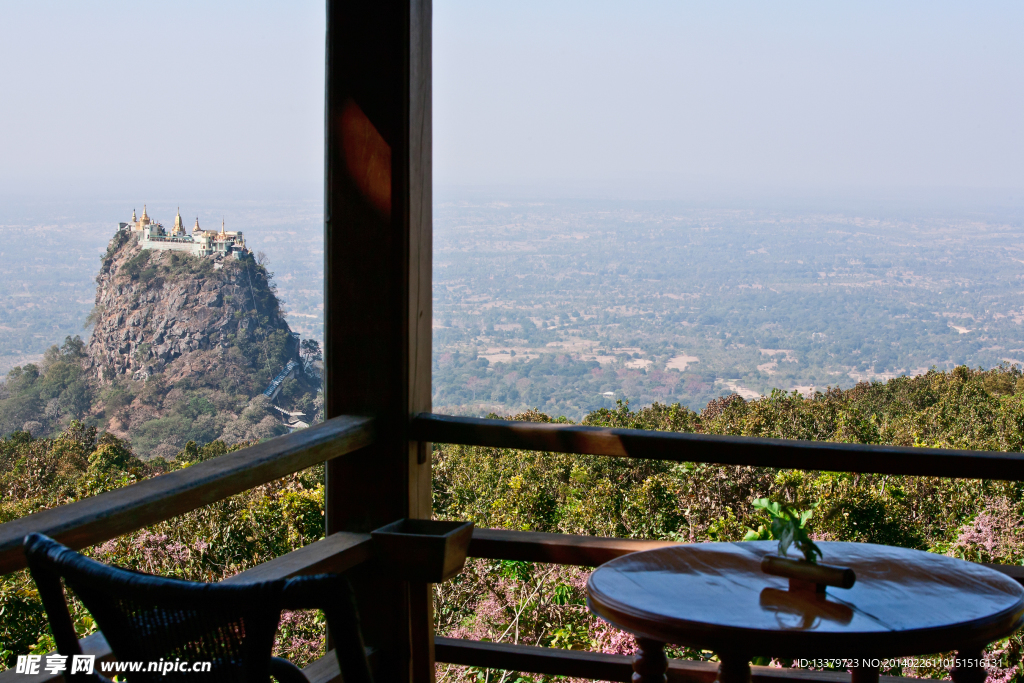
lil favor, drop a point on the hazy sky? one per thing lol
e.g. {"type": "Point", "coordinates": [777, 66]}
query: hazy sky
{"type": "Point", "coordinates": [157, 98]}
{"type": "Point", "coordinates": [146, 97]}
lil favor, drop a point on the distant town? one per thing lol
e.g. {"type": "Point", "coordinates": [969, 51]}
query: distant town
{"type": "Point", "coordinates": [569, 306]}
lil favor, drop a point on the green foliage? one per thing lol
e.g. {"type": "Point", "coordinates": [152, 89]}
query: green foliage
{"type": "Point", "coordinates": [207, 544]}
{"type": "Point", "coordinates": [864, 516]}
{"type": "Point", "coordinates": [177, 264]}
{"type": "Point", "coordinates": [576, 494]}
{"type": "Point", "coordinates": [695, 502]}
{"type": "Point", "coordinates": [134, 266]}
{"type": "Point", "coordinates": [291, 391]}
{"type": "Point", "coordinates": [51, 395]}
{"type": "Point", "coordinates": [788, 527]}
{"type": "Point", "coordinates": [113, 455]}
{"type": "Point", "coordinates": [94, 316]}
{"type": "Point", "coordinates": [511, 601]}
{"type": "Point", "coordinates": [311, 350]}
{"type": "Point", "coordinates": [116, 396]}
{"type": "Point", "coordinates": [177, 427]}
{"type": "Point", "coordinates": [193, 453]}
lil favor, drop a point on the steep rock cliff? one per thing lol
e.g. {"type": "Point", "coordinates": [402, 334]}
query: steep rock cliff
{"type": "Point", "coordinates": [171, 313]}
{"type": "Point", "coordinates": [182, 348]}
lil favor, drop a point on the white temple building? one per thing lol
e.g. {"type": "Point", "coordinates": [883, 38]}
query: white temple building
{"type": "Point", "coordinates": [152, 235]}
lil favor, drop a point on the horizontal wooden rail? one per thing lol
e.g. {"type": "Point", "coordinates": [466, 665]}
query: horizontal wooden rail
{"type": "Point", "coordinates": [108, 515]}
{"type": "Point", "coordinates": [591, 551]}
{"type": "Point", "coordinates": [721, 450]}
{"type": "Point", "coordinates": [336, 553]}
{"type": "Point", "coordinates": [607, 667]}
{"type": "Point", "coordinates": [342, 551]}
{"type": "Point", "coordinates": [535, 546]}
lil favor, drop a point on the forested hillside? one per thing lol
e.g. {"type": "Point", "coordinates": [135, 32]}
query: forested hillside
{"type": "Point", "coordinates": [529, 603]}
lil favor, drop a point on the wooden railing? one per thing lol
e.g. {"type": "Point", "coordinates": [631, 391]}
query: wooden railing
{"type": "Point", "coordinates": [607, 667]}
{"type": "Point", "coordinates": [108, 515]}
{"type": "Point", "coordinates": [111, 514]}
{"type": "Point", "coordinates": [676, 447]}
{"type": "Point", "coordinates": [720, 450]}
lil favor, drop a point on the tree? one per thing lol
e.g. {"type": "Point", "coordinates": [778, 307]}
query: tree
{"type": "Point", "coordinates": [473, 383]}
{"type": "Point", "coordinates": [310, 350]}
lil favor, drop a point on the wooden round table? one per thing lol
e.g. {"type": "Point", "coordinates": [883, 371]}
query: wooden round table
{"type": "Point", "coordinates": [714, 596]}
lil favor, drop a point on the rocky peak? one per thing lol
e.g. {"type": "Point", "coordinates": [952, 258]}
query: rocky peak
{"type": "Point", "coordinates": [177, 314]}
{"type": "Point", "coordinates": [183, 349]}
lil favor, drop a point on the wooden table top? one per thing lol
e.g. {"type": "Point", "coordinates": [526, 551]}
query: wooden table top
{"type": "Point", "coordinates": [714, 596]}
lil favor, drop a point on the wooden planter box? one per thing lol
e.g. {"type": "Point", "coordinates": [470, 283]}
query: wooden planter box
{"type": "Point", "coordinates": [423, 549]}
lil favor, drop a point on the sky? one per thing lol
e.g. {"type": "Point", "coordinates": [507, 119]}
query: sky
{"type": "Point", "coordinates": [156, 99]}
{"type": "Point", "coordinates": [610, 99]}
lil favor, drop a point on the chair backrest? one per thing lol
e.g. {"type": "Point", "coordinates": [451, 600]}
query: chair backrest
{"type": "Point", "coordinates": [147, 618]}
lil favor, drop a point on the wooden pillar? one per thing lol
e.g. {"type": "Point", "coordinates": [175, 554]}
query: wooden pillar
{"type": "Point", "coordinates": [377, 298]}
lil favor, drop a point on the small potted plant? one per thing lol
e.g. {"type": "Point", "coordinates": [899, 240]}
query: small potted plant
{"type": "Point", "coordinates": [789, 528]}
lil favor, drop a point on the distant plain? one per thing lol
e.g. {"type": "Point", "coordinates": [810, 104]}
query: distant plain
{"type": "Point", "coordinates": [569, 305]}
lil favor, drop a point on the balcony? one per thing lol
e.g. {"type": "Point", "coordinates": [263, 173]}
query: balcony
{"type": "Point", "coordinates": [345, 440]}
{"type": "Point", "coordinates": [376, 443]}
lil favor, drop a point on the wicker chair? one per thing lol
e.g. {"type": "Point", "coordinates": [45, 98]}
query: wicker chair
{"type": "Point", "coordinates": [147, 618]}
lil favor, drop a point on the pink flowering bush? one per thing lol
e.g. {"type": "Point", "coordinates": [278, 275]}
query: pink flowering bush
{"type": "Point", "coordinates": [994, 535]}
{"type": "Point", "coordinates": [301, 636]}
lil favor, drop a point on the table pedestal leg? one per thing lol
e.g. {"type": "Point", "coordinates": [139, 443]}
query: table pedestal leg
{"type": "Point", "coordinates": [733, 668]}
{"type": "Point", "coordinates": [650, 665]}
{"type": "Point", "coordinates": [969, 669]}
{"type": "Point", "coordinates": [864, 674]}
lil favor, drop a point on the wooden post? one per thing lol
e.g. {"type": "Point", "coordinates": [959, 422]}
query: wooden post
{"type": "Point", "coordinates": [377, 298]}
{"type": "Point", "coordinates": [649, 663]}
